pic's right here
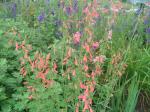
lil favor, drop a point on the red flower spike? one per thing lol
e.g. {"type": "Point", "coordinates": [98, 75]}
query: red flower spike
{"type": "Point", "coordinates": [92, 89]}
{"type": "Point", "coordinates": [86, 107]}
{"type": "Point", "coordinates": [93, 74]}
{"type": "Point", "coordinates": [91, 57]}
{"type": "Point", "coordinates": [86, 68]}
{"type": "Point", "coordinates": [74, 73]}
{"type": "Point", "coordinates": [41, 75]}
{"type": "Point", "coordinates": [17, 46]}
{"type": "Point", "coordinates": [41, 63]}
{"type": "Point", "coordinates": [85, 59]}
{"type": "Point", "coordinates": [30, 97]}
{"type": "Point", "coordinates": [69, 53]}
{"type": "Point", "coordinates": [65, 61]}
{"type": "Point", "coordinates": [46, 71]}
{"type": "Point", "coordinates": [95, 14]}
{"type": "Point", "coordinates": [77, 107]}
{"type": "Point", "coordinates": [98, 70]}
{"type": "Point", "coordinates": [91, 109]}
{"type": "Point", "coordinates": [87, 75]}
{"type": "Point", "coordinates": [83, 97]}
{"type": "Point", "coordinates": [82, 86]}
{"type": "Point", "coordinates": [75, 61]}
{"type": "Point", "coordinates": [55, 67]}
{"type": "Point", "coordinates": [48, 56]}
{"type": "Point", "coordinates": [87, 47]}
{"type": "Point", "coordinates": [23, 71]}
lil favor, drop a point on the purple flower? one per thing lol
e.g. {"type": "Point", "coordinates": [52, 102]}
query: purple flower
{"type": "Point", "coordinates": [81, 33]}
{"type": "Point", "coordinates": [53, 12]}
{"type": "Point", "coordinates": [60, 4]}
{"type": "Point", "coordinates": [148, 30]}
{"type": "Point", "coordinates": [14, 6]}
{"type": "Point", "coordinates": [147, 41]}
{"type": "Point", "coordinates": [95, 45]}
{"type": "Point", "coordinates": [41, 17]}
{"type": "Point", "coordinates": [75, 6]}
{"type": "Point", "coordinates": [138, 12]}
{"type": "Point", "coordinates": [68, 11]}
{"type": "Point", "coordinates": [58, 22]}
{"type": "Point", "coordinates": [146, 22]}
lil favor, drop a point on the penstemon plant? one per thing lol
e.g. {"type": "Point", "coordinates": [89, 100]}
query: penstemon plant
{"type": "Point", "coordinates": [77, 63]}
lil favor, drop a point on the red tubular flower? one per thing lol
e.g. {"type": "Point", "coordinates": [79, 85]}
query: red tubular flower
{"type": "Point", "coordinates": [17, 46]}
{"type": "Point", "coordinates": [41, 76]}
{"type": "Point", "coordinates": [86, 68]}
{"type": "Point", "coordinates": [65, 61]}
{"type": "Point", "coordinates": [86, 47]}
{"type": "Point", "coordinates": [86, 106]}
{"type": "Point", "coordinates": [55, 67]}
{"type": "Point", "coordinates": [48, 57]}
{"type": "Point", "coordinates": [98, 70]}
{"type": "Point", "coordinates": [23, 71]}
{"type": "Point", "coordinates": [75, 61]}
{"type": "Point", "coordinates": [74, 73]}
{"type": "Point", "coordinates": [85, 59]}
{"type": "Point", "coordinates": [69, 53]}
{"type": "Point", "coordinates": [41, 63]}
{"type": "Point", "coordinates": [95, 14]}
{"type": "Point", "coordinates": [82, 86]}
{"type": "Point", "coordinates": [87, 75]}
{"type": "Point", "coordinates": [77, 107]}
{"type": "Point", "coordinates": [85, 98]}
{"type": "Point", "coordinates": [30, 97]}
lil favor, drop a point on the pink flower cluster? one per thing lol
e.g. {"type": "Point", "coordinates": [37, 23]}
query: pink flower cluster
{"type": "Point", "coordinates": [76, 38]}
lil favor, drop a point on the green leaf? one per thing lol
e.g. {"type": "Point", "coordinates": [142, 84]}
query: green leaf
{"type": "Point", "coordinates": [133, 93]}
{"type": "Point", "coordinates": [6, 108]}
{"type": "Point", "coordinates": [3, 66]}
{"type": "Point", "coordinates": [1, 32]}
